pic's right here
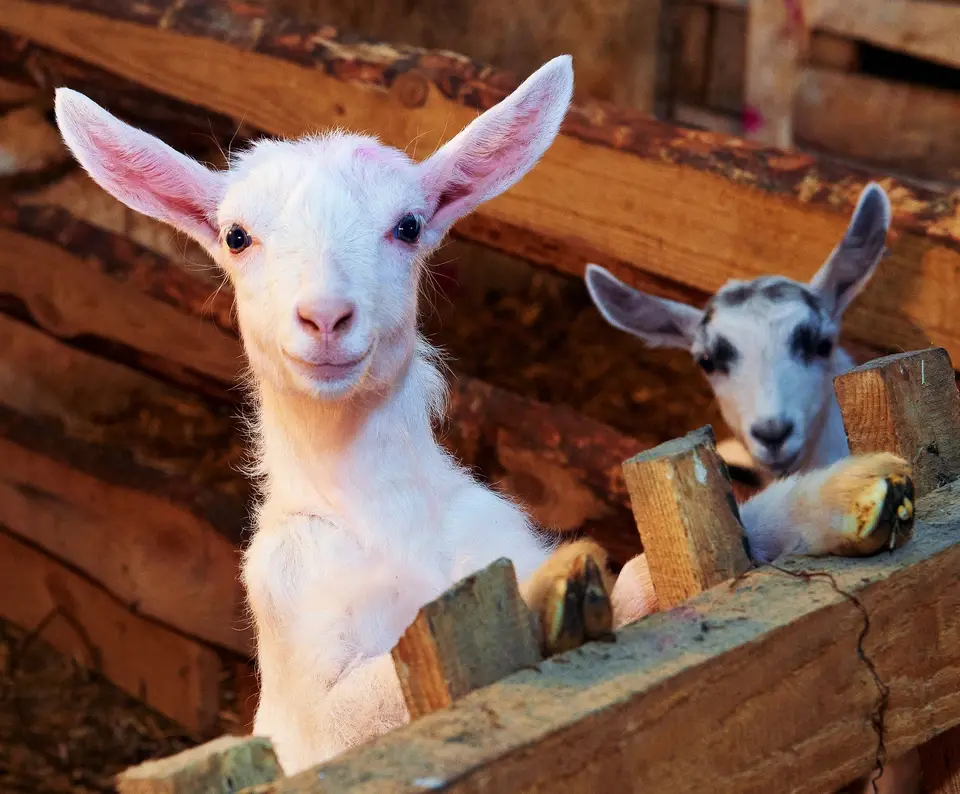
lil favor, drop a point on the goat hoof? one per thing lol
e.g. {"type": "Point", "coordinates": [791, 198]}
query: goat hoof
{"type": "Point", "coordinates": [880, 509]}
{"type": "Point", "coordinates": [577, 608]}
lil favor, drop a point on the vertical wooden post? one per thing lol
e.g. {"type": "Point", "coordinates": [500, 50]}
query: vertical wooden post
{"type": "Point", "coordinates": [908, 404]}
{"type": "Point", "coordinates": [777, 38]}
{"type": "Point", "coordinates": [687, 516]}
{"type": "Point", "coordinates": [229, 763]}
{"type": "Point", "coordinates": [476, 633]}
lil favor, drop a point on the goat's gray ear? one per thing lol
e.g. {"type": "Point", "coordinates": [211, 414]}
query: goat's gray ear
{"type": "Point", "coordinates": [853, 261]}
{"type": "Point", "coordinates": [657, 321]}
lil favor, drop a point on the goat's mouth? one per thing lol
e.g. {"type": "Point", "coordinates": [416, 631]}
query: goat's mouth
{"type": "Point", "coordinates": [781, 467]}
{"type": "Point", "coordinates": [329, 370]}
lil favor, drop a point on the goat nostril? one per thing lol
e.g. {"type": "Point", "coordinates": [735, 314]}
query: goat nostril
{"type": "Point", "coordinates": [772, 432]}
{"type": "Point", "coordinates": [308, 322]}
{"type": "Point", "coordinates": [343, 323]}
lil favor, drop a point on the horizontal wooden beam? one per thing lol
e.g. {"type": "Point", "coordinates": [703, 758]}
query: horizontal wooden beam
{"type": "Point", "coordinates": [893, 125]}
{"type": "Point", "coordinates": [124, 478]}
{"type": "Point", "coordinates": [766, 683]}
{"type": "Point", "coordinates": [655, 203]}
{"type": "Point", "coordinates": [179, 677]}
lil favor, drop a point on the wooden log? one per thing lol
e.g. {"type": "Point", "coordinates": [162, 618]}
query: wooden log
{"type": "Point", "coordinates": [129, 480]}
{"type": "Point", "coordinates": [890, 124]}
{"type": "Point", "coordinates": [225, 765]}
{"type": "Point", "coordinates": [174, 674]}
{"type": "Point", "coordinates": [476, 633]}
{"type": "Point", "coordinates": [761, 684]}
{"type": "Point", "coordinates": [906, 404]}
{"type": "Point", "coordinates": [562, 466]}
{"type": "Point", "coordinates": [720, 225]}
{"type": "Point", "coordinates": [688, 519]}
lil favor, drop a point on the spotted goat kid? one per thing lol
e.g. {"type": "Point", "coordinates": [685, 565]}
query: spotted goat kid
{"type": "Point", "coordinates": [768, 346]}
{"type": "Point", "coordinates": [363, 516]}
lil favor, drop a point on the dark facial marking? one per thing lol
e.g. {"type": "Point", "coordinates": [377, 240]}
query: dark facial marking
{"type": "Point", "coordinates": [719, 358]}
{"type": "Point", "coordinates": [807, 343]}
{"type": "Point", "coordinates": [734, 296]}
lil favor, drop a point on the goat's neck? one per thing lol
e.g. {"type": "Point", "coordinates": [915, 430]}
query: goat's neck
{"type": "Point", "coordinates": [831, 440]}
{"type": "Point", "coordinates": [346, 459]}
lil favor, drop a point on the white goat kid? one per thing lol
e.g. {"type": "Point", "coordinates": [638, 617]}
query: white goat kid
{"type": "Point", "coordinates": [768, 346]}
{"type": "Point", "coordinates": [364, 518]}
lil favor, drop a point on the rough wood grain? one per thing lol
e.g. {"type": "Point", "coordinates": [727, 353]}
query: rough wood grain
{"type": "Point", "coordinates": [889, 124]}
{"type": "Point", "coordinates": [222, 766]}
{"type": "Point", "coordinates": [476, 633]}
{"type": "Point", "coordinates": [688, 519]}
{"type": "Point", "coordinates": [563, 467]}
{"type": "Point", "coordinates": [607, 191]}
{"type": "Point", "coordinates": [176, 675]}
{"type": "Point", "coordinates": [131, 481]}
{"type": "Point", "coordinates": [759, 684]}
{"type": "Point", "coordinates": [906, 404]}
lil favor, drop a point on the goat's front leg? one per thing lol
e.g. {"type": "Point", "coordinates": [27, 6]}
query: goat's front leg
{"type": "Point", "coordinates": [854, 508]}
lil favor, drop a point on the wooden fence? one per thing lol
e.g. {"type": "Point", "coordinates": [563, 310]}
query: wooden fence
{"type": "Point", "coordinates": [793, 677]}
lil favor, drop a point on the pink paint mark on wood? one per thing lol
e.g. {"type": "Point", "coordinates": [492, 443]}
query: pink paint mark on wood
{"type": "Point", "coordinates": [753, 120]}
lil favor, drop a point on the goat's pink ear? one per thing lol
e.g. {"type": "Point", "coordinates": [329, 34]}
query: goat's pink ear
{"type": "Point", "coordinates": [140, 170]}
{"type": "Point", "coordinates": [657, 321]}
{"type": "Point", "coordinates": [499, 147]}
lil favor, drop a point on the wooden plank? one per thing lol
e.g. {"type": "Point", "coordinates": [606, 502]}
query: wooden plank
{"type": "Point", "coordinates": [227, 764]}
{"type": "Point", "coordinates": [924, 28]}
{"type": "Point", "coordinates": [891, 124]}
{"type": "Point", "coordinates": [728, 51]}
{"type": "Point", "coordinates": [761, 683]}
{"type": "Point", "coordinates": [692, 52]}
{"type": "Point", "coordinates": [124, 478]}
{"type": "Point", "coordinates": [562, 466]}
{"type": "Point", "coordinates": [476, 633]}
{"type": "Point", "coordinates": [608, 191]}
{"type": "Point", "coordinates": [906, 404]}
{"type": "Point", "coordinates": [688, 519]}
{"type": "Point", "coordinates": [176, 675]}
{"type": "Point", "coordinates": [828, 51]}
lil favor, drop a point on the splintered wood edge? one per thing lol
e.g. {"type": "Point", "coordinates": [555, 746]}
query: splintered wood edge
{"type": "Point", "coordinates": [165, 768]}
{"type": "Point", "coordinates": [599, 714]}
{"type": "Point", "coordinates": [702, 436]}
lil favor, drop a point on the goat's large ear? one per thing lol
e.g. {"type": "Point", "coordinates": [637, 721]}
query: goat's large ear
{"type": "Point", "coordinates": [140, 170]}
{"type": "Point", "coordinates": [657, 321]}
{"type": "Point", "coordinates": [498, 148]}
{"type": "Point", "coordinates": [850, 266]}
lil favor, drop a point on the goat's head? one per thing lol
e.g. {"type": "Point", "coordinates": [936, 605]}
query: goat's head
{"type": "Point", "coordinates": [768, 345]}
{"type": "Point", "coordinates": [324, 238]}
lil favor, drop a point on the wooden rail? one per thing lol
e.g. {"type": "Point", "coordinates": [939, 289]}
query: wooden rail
{"type": "Point", "coordinates": [799, 677]}
{"type": "Point", "coordinates": [665, 208]}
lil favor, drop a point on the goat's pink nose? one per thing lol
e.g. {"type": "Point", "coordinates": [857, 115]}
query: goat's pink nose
{"type": "Point", "coordinates": [325, 316]}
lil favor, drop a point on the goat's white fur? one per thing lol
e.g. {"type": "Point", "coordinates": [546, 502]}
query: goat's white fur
{"type": "Point", "coordinates": [364, 517]}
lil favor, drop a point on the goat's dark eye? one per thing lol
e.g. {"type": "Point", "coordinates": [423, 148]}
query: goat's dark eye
{"type": "Point", "coordinates": [706, 363]}
{"type": "Point", "coordinates": [825, 348]}
{"type": "Point", "coordinates": [237, 239]}
{"type": "Point", "coordinates": [408, 229]}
